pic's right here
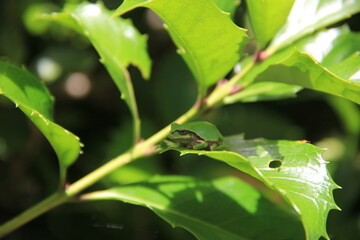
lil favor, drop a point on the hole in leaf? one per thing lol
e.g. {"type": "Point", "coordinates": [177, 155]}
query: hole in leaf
{"type": "Point", "coordinates": [275, 163]}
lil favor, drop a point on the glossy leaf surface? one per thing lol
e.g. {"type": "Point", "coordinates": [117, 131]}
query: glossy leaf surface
{"type": "Point", "coordinates": [207, 39]}
{"type": "Point", "coordinates": [295, 169]}
{"type": "Point", "coordinates": [305, 72]}
{"type": "Point", "coordinates": [309, 63]}
{"type": "Point", "coordinates": [307, 16]}
{"type": "Point", "coordinates": [331, 46]}
{"type": "Point", "coordinates": [118, 43]}
{"type": "Point", "coordinates": [33, 98]}
{"type": "Point", "coordinates": [227, 208]}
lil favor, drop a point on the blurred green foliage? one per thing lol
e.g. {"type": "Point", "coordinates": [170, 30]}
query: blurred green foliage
{"type": "Point", "coordinates": [28, 172]}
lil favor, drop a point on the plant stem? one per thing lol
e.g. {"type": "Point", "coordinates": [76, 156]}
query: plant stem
{"type": "Point", "coordinates": [139, 150]}
{"type": "Point", "coordinates": [217, 96]}
{"type": "Point", "coordinates": [61, 197]}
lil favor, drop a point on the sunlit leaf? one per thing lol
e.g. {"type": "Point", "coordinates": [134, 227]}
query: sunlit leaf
{"type": "Point", "coordinates": [118, 43]}
{"type": "Point", "coordinates": [295, 66]}
{"type": "Point", "coordinates": [331, 46]}
{"type": "Point", "coordinates": [33, 98]}
{"type": "Point", "coordinates": [306, 72]}
{"type": "Point", "coordinates": [294, 169]}
{"type": "Point", "coordinates": [267, 17]}
{"type": "Point", "coordinates": [227, 208]}
{"type": "Point", "coordinates": [207, 39]}
{"type": "Point", "coordinates": [307, 16]}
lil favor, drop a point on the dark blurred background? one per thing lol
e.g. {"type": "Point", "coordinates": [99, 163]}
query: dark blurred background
{"type": "Point", "coordinates": [88, 103]}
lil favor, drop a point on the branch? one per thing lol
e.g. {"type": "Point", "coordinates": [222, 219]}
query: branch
{"type": "Point", "coordinates": [139, 150]}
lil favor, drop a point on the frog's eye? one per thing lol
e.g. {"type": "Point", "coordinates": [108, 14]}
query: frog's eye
{"type": "Point", "coordinates": [183, 132]}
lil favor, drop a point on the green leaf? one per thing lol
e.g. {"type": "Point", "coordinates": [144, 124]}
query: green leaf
{"type": "Point", "coordinates": [343, 47]}
{"type": "Point", "coordinates": [308, 73]}
{"type": "Point", "coordinates": [294, 169]}
{"type": "Point", "coordinates": [264, 91]}
{"type": "Point", "coordinates": [207, 39]}
{"type": "Point", "coordinates": [267, 17]}
{"type": "Point", "coordinates": [331, 46]}
{"type": "Point", "coordinates": [227, 208]}
{"type": "Point", "coordinates": [349, 68]}
{"type": "Point", "coordinates": [118, 43]}
{"type": "Point", "coordinates": [307, 16]}
{"type": "Point", "coordinates": [228, 6]}
{"type": "Point", "coordinates": [293, 66]}
{"type": "Point", "coordinates": [33, 98]}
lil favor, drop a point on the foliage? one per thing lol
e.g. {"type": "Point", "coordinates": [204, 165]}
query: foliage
{"type": "Point", "coordinates": [295, 56]}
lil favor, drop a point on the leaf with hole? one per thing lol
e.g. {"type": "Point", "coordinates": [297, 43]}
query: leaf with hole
{"type": "Point", "coordinates": [32, 97]}
{"type": "Point", "coordinates": [226, 208]}
{"type": "Point", "coordinates": [207, 39]}
{"type": "Point", "coordinates": [295, 169]}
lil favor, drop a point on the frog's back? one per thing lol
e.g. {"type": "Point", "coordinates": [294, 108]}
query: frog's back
{"type": "Point", "coordinates": [205, 130]}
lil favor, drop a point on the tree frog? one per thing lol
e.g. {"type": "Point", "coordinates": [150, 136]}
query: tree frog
{"type": "Point", "coordinates": [197, 135]}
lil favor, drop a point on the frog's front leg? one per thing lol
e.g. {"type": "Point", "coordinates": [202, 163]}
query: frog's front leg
{"type": "Point", "coordinates": [200, 145]}
{"type": "Point", "coordinates": [218, 147]}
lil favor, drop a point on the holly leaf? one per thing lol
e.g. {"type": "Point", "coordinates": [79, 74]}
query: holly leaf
{"type": "Point", "coordinates": [32, 97]}
{"type": "Point", "coordinates": [118, 43]}
{"type": "Point", "coordinates": [307, 16]}
{"type": "Point", "coordinates": [207, 39]}
{"type": "Point", "coordinates": [311, 63]}
{"type": "Point", "coordinates": [305, 72]}
{"type": "Point", "coordinates": [295, 170]}
{"type": "Point", "coordinates": [226, 208]}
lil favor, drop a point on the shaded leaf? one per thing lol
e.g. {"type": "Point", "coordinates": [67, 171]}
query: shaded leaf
{"type": "Point", "coordinates": [267, 17]}
{"type": "Point", "coordinates": [264, 91]}
{"type": "Point", "coordinates": [207, 39]}
{"type": "Point", "coordinates": [307, 16]}
{"type": "Point", "coordinates": [227, 208]}
{"type": "Point", "coordinates": [294, 169]}
{"type": "Point", "coordinates": [33, 98]}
